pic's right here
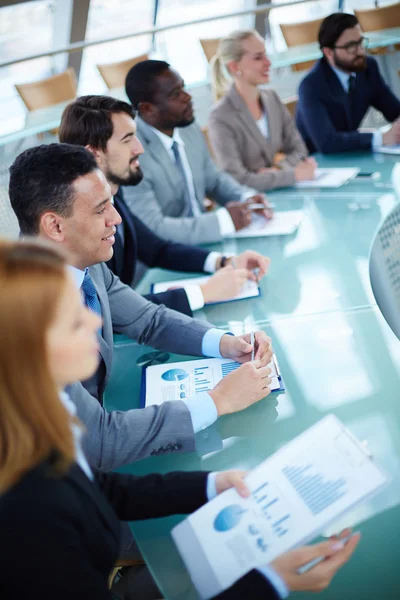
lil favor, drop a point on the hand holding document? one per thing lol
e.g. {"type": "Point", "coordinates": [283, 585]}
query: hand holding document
{"type": "Point", "coordinates": [329, 178]}
{"type": "Point", "coordinates": [282, 223]}
{"type": "Point", "coordinates": [295, 494]}
{"type": "Point", "coordinates": [226, 285]}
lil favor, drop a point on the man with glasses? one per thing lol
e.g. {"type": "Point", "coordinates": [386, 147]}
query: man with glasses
{"type": "Point", "coordinates": [337, 93]}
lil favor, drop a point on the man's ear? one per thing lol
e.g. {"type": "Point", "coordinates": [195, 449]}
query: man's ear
{"type": "Point", "coordinates": [51, 226]}
{"type": "Point", "coordinates": [95, 151]}
{"type": "Point", "coordinates": [146, 109]}
{"type": "Point", "coordinates": [328, 53]}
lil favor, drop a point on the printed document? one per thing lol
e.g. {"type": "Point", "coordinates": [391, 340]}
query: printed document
{"type": "Point", "coordinates": [282, 223]}
{"type": "Point", "coordinates": [177, 381]}
{"type": "Point", "coordinates": [295, 494]}
{"type": "Point", "coordinates": [388, 149]}
{"type": "Point", "coordinates": [249, 290]}
{"type": "Point", "coordinates": [329, 178]}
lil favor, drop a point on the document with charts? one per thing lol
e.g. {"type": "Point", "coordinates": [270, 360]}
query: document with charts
{"type": "Point", "coordinates": [180, 380]}
{"type": "Point", "coordinates": [388, 149]}
{"type": "Point", "coordinates": [295, 494]}
{"type": "Point", "coordinates": [282, 223]}
{"type": "Point", "coordinates": [329, 178]}
{"type": "Point", "coordinates": [249, 290]}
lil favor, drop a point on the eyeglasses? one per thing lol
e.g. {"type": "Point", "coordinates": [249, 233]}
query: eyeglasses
{"type": "Point", "coordinates": [352, 47]}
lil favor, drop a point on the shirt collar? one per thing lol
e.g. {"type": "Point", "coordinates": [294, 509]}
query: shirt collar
{"type": "Point", "coordinates": [69, 405]}
{"type": "Point", "coordinates": [78, 275]}
{"type": "Point", "coordinates": [166, 140]}
{"type": "Point", "coordinates": [343, 77]}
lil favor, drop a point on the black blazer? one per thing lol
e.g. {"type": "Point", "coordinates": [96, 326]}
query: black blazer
{"type": "Point", "coordinates": [324, 117]}
{"type": "Point", "coordinates": [141, 243]}
{"type": "Point", "coordinates": [65, 530]}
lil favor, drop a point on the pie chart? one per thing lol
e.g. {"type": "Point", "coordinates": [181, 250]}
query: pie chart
{"type": "Point", "coordinates": [174, 375]}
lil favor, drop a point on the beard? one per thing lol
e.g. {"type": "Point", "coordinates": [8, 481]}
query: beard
{"type": "Point", "coordinates": [133, 179]}
{"type": "Point", "coordinates": [184, 122]}
{"type": "Point", "coordinates": [356, 65]}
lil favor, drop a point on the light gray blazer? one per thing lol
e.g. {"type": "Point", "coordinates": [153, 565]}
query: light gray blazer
{"type": "Point", "coordinates": [117, 438]}
{"type": "Point", "coordinates": [241, 149]}
{"type": "Point", "coordinates": [159, 199]}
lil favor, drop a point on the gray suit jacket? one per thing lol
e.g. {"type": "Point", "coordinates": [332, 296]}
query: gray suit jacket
{"type": "Point", "coordinates": [117, 438]}
{"type": "Point", "coordinates": [240, 147]}
{"type": "Point", "coordinates": [159, 199]}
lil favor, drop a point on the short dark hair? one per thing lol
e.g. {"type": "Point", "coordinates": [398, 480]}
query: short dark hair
{"type": "Point", "coordinates": [140, 81]}
{"type": "Point", "coordinates": [41, 180]}
{"type": "Point", "coordinates": [87, 120]}
{"type": "Point", "coordinates": [332, 28]}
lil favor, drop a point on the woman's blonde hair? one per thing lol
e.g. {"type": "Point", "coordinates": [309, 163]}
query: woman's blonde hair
{"type": "Point", "coordinates": [34, 424]}
{"type": "Point", "coordinates": [229, 49]}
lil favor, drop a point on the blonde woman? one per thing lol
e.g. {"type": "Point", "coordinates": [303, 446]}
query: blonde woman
{"type": "Point", "coordinates": [57, 515]}
{"type": "Point", "coordinates": [248, 126]}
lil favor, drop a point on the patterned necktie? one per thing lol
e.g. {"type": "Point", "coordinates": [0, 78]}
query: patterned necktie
{"type": "Point", "coordinates": [90, 294]}
{"type": "Point", "coordinates": [186, 191]}
{"type": "Point", "coordinates": [352, 97]}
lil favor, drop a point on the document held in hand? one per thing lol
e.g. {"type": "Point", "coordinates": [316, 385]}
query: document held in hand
{"type": "Point", "coordinates": [249, 290]}
{"type": "Point", "coordinates": [180, 380]}
{"type": "Point", "coordinates": [295, 494]}
{"type": "Point", "coordinates": [329, 178]}
{"type": "Point", "coordinates": [388, 149]}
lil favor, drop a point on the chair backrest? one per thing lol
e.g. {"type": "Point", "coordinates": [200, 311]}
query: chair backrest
{"type": "Point", "coordinates": [9, 227]}
{"type": "Point", "coordinates": [209, 46]}
{"type": "Point", "coordinates": [291, 104]}
{"type": "Point", "coordinates": [384, 268]}
{"type": "Point", "coordinates": [382, 17]}
{"type": "Point", "coordinates": [49, 91]}
{"type": "Point", "coordinates": [297, 34]}
{"type": "Point", "coordinates": [114, 74]}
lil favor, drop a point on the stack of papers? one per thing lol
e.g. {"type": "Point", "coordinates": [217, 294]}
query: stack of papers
{"type": "Point", "coordinates": [282, 223]}
{"type": "Point", "coordinates": [295, 494]}
{"type": "Point", "coordinates": [329, 178]}
{"type": "Point", "coordinates": [249, 290]}
{"type": "Point", "coordinates": [178, 381]}
{"type": "Point", "coordinates": [388, 149]}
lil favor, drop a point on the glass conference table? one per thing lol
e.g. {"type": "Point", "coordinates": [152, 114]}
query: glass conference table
{"type": "Point", "coordinates": [336, 354]}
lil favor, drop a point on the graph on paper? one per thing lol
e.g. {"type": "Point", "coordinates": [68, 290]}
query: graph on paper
{"type": "Point", "coordinates": [317, 492]}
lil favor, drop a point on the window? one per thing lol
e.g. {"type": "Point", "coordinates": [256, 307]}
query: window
{"type": "Point", "coordinates": [183, 49]}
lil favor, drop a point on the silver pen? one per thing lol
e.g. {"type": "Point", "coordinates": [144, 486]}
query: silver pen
{"type": "Point", "coordinates": [252, 343]}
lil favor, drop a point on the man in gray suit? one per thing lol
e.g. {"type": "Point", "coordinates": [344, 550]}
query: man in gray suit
{"type": "Point", "coordinates": [178, 170]}
{"type": "Point", "coordinates": [58, 192]}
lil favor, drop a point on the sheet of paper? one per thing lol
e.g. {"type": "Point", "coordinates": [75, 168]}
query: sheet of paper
{"type": "Point", "coordinates": [180, 380]}
{"type": "Point", "coordinates": [282, 223]}
{"type": "Point", "coordinates": [388, 149]}
{"type": "Point", "coordinates": [329, 178]}
{"type": "Point", "coordinates": [249, 290]}
{"type": "Point", "coordinates": [295, 494]}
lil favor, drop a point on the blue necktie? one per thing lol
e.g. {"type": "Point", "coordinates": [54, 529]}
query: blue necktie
{"type": "Point", "coordinates": [90, 294]}
{"type": "Point", "coordinates": [186, 191]}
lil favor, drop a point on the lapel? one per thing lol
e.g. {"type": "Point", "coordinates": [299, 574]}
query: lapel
{"type": "Point", "coordinates": [106, 340]}
{"type": "Point", "coordinates": [126, 253]}
{"type": "Point", "coordinates": [159, 154]}
{"type": "Point", "coordinates": [90, 488]}
{"type": "Point", "coordinates": [248, 122]}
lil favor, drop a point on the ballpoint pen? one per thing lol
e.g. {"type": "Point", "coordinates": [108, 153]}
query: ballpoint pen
{"type": "Point", "coordinates": [259, 206]}
{"type": "Point", "coordinates": [252, 344]}
{"type": "Point", "coordinates": [313, 563]}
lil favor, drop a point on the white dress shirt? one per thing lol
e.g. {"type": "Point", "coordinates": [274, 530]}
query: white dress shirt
{"type": "Point", "coordinates": [262, 124]}
{"type": "Point", "coordinates": [77, 433]}
{"type": "Point", "coordinates": [344, 79]}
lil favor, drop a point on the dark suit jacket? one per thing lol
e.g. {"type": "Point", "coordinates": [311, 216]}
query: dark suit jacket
{"type": "Point", "coordinates": [140, 243]}
{"type": "Point", "coordinates": [66, 529]}
{"type": "Point", "coordinates": [323, 114]}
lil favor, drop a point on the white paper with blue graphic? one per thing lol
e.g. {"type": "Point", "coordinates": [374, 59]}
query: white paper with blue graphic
{"type": "Point", "coordinates": [180, 380]}
{"type": "Point", "coordinates": [295, 494]}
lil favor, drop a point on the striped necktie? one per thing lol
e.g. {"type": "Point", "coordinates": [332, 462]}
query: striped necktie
{"type": "Point", "coordinates": [90, 294]}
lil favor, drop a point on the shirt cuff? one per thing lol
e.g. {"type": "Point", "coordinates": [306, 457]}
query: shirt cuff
{"type": "Point", "coordinates": [203, 411]}
{"type": "Point", "coordinates": [211, 490]}
{"type": "Point", "coordinates": [195, 296]}
{"type": "Point", "coordinates": [211, 342]}
{"type": "Point", "coordinates": [226, 226]}
{"type": "Point", "coordinates": [376, 139]}
{"type": "Point", "coordinates": [274, 579]}
{"type": "Point", "coordinates": [210, 264]}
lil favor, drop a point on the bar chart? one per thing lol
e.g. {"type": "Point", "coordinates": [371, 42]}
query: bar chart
{"type": "Point", "coordinates": [274, 507]}
{"type": "Point", "coordinates": [317, 492]}
{"type": "Point", "coordinates": [228, 367]}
